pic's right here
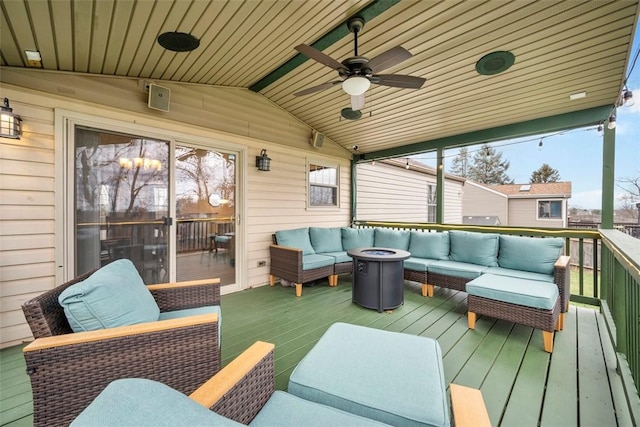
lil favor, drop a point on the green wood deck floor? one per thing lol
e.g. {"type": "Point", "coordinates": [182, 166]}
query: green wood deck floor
{"type": "Point", "coordinates": [522, 385]}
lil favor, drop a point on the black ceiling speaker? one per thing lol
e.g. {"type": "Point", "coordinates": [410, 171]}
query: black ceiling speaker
{"type": "Point", "coordinates": [357, 73]}
{"type": "Point", "coordinates": [178, 42]}
{"type": "Point", "coordinates": [350, 114]}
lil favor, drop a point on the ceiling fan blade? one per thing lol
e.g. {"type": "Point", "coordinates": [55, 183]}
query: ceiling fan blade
{"type": "Point", "coordinates": [398, 80]}
{"type": "Point", "coordinates": [314, 89]}
{"type": "Point", "coordinates": [320, 57]}
{"type": "Point", "coordinates": [357, 102]}
{"type": "Point", "coordinates": [389, 58]}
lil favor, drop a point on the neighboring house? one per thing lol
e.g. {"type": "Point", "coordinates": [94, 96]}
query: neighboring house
{"type": "Point", "coordinates": [388, 191]}
{"type": "Point", "coordinates": [524, 205]}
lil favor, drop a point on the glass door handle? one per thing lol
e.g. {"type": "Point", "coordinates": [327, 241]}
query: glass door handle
{"type": "Point", "coordinates": [167, 220]}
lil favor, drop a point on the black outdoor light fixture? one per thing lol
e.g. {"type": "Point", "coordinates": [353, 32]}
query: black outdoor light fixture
{"type": "Point", "coordinates": [263, 162]}
{"type": "Point", "coordinates": [9, 122]}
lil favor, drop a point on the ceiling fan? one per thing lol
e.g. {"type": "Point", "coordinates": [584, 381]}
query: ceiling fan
{"type": "Point", "coordinates": [358, 72]}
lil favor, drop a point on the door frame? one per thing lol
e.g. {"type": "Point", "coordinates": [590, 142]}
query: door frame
{"type": "Point", "coordinates": [65, 122]}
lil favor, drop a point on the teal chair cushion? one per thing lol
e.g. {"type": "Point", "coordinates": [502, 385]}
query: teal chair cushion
{"type": "Point", "coordinates": [520, 274]}
{"type": "Point", "coordinates": [356, 238]}
{"type": "Point", "coordinates": [187, 312]}
{"type": "Point", "coordinates": [390, 377]}
{"type": "Point", "coordinates": [114, 295]}
{"type": "Point", "coordinates": [326, 239]}
{"type": "Point", "coordinates": [283, 409]}
{"type": "Point", "coordinates": [429, 245]}
{"type": "Point", "coordinates": [311, 262]}
{"type": "Point", "coordinates": [141, 402]}
{"type": "Point", "coordinates": [529, 293]}
{"type": "Point", "coordinates": [474, 248]}
{"type": "Point", "coordinates": [395, 239]}
{"type": "Point", "coordinates": [456, 269]}
{"type": "Point", "coordinates": [296, 238]}
{"type": "Point", "coordinates": [534, 254]}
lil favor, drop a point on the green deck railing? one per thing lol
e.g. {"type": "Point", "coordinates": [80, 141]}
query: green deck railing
{"type": "Point", "coordinates": [610, 279]}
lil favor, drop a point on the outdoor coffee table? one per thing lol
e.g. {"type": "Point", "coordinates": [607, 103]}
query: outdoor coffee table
{"type": "Point", "coordinates": [378, 277]}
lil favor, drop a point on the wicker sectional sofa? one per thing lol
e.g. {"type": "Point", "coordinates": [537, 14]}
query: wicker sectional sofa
{"type": "Point", "coordinates": [443, 259]}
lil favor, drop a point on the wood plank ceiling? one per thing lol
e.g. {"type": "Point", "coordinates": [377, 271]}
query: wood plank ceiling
{"type": "Point", "coordinates": [561, 48]}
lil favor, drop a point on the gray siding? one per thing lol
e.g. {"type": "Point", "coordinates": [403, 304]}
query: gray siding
{"type": "Point", "coordinates": [478, 201]}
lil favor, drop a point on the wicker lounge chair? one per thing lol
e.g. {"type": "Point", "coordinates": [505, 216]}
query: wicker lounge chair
{"type": "Point", "coordinates": [67, 370]}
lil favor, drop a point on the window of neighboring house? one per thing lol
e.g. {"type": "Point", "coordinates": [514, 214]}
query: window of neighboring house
{"type": "Point", "coordinates": [323, 185]}
{"type": "Point", "coordinates": [431, 203]}
{"type": "Point", "coordinates": [551, 209]}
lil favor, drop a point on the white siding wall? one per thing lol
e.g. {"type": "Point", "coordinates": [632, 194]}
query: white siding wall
{"type": "Point", "coordinates": [274, 200]}
{"type": "Point", "coordinates": [391, 193]}
{"type": "Point", "coordinates": [478, 201]}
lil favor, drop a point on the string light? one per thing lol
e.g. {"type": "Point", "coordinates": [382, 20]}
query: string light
{"type": "Point", "coordinates": [612, 122]}
{"type": "Point", "coordinates": [540, 145]}
{"type": "Point", "coordinates": [407, 165]}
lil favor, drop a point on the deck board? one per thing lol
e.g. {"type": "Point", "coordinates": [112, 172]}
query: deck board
{"type": "Point", "coordinates": [522, 385]}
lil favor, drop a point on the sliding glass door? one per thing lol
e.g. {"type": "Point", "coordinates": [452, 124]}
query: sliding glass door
{"type": "Point", "coordinates": [169, 208]}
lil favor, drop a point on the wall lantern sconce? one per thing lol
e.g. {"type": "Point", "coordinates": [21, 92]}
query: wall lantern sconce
{"type": "Point", "coordinates": [263, 162]}
{"type": "Point", "coordinates": [9, 122]}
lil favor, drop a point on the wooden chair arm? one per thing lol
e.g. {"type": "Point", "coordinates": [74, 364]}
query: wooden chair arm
{"type": "Point", "coordinates": [118, 332]}
{"type": "Point", "coordinates": [285, 248]}
{"type": "Point", "coordinates": [562, 262]}
{"type": "Point", "coordinates": [468, 407]}
{"type": "Point", "coordinates": [242, 387]}
{"type": "Point", "coordinates": [173, 285]}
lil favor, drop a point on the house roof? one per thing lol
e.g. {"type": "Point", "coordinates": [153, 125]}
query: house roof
{"type": "Point", "coordinates": [550, 189]}
{"type": "Point", "coordinates": [560, 48]}
{"type": "Point", "coordinates": [481, 220]}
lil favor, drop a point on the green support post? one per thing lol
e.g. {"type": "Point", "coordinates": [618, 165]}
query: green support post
{"type": "Point", "coordinates": [440, 187]}
{"type": "Point", "coordinates": [353, 191]}
{"type": "Point", "coordinates": [608, 176]}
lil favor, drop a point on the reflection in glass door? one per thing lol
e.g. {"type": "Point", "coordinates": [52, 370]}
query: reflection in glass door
{"type": "Point", "coordinates": [205, 214]}
{"type": "Point", "coordinates": [121, 202]}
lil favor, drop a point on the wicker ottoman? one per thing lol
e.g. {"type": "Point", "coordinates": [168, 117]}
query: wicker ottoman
{"type": "Point", "coordinates": [391, 377]}
{"type": "Point", "coordinates": [529, 302]}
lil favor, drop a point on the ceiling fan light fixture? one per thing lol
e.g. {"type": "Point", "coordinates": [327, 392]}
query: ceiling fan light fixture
{"type": "Point", "coordinates": [356, 85]}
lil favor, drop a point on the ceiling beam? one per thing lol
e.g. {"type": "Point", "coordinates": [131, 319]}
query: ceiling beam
{"type": "Point", "coordinates": [556, 123]}
{"type": "Point", "coordinates": [370, 11]}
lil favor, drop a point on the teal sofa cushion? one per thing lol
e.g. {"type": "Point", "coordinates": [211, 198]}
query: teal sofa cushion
{"type": "Point", "coordinates": [533, 254]}
{"type": "Point", "coordinates": [311, 262]}
{"type": "Point", "coordinates": [326, 239]}
{"type": "Point", "coordinates": [141, 402]}
{"type": "Point", "coordinates": [339, 256]}
{"type": "Point", "coordinates": [356, 238]}
{"type": "Point", "coordinates": [296, 238]}
{"type": "Point", "coordinates": [114, 295]}
{"type": "Point", "coordinates": [283, 409]}
{"type": "Point", "coordinates": [529, 293]}
{"type": "Point", "coordinates": [475, 248]}
{"type": "Point", "coordinates": [417, 264]}
{"type": "Point", "coordinates": [456, 269]}
{"type": "Point", "coordinates": [395, 239]}
{"type": "Point", "coordinates": [520, 274]}
{"type": "Point", "coordinates": [429, 245]}
{"type": "Point", "coordinates": [390, 377]}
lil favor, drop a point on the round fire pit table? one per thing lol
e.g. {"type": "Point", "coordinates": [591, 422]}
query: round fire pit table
{"type": "Point", "coordinates": [378, 277]}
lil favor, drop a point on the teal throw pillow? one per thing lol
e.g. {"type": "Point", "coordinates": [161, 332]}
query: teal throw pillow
{"type": "Point", "coordinates": [326, 239]}
{"type": "Point", "coordinates": [296, 238]}
{"type": "Point", "coordinates": [114, 295]}
{"type": "Point", "coordinates": [535, 254]}
{"type": "Point", "coordinates": [357, 238]}
{"type": "Point", "coordinates": [474, 248]}
{"type": "Point", "coordinates": [429, 245]}
{"type": "Point", "coordinates": [395, 239]}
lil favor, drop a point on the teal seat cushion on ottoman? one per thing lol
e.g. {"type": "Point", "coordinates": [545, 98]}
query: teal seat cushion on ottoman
{"type": "Point", "coordinates": [529, 293]}
{"type": "Point", "coordinates": [283, 409]}
{"type": "Point", "coordinates": [390, 377]}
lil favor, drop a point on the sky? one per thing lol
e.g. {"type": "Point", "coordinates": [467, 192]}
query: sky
{"type": "Point", "coordinates": [576, 154]}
